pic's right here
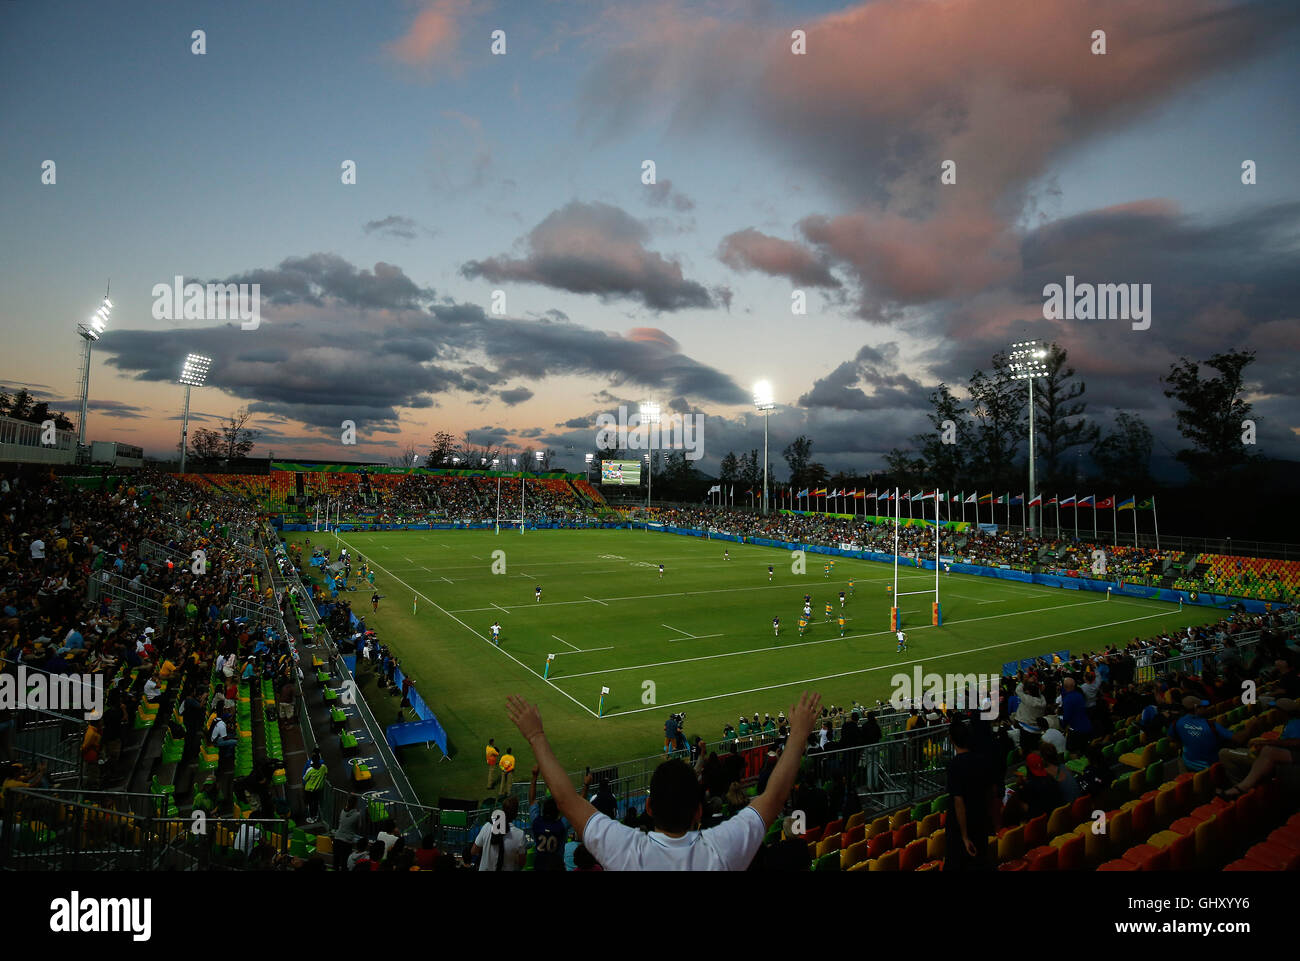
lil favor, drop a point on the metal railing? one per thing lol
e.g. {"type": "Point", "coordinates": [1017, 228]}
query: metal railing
{"type": "Point", "coordinates": [139, 602]}
{"type": "Point", "coordinates": [54, 830]}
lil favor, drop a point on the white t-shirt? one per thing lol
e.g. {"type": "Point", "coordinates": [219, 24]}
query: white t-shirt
{"type": "Point", "coordinates": [514, 843]}
{"type": "Point", "coordinates": [730, 846]}
{"type": "Point", "coordinates": [38, 550]}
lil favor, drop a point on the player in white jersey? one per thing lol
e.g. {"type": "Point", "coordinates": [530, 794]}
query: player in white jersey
{"type": "Point", "coordinates": [902, 642]}
{"type": "Point", "coordinates": [496, 633]}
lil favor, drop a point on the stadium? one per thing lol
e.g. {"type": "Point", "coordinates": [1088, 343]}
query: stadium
{"type": "Point", "coordinates": [904, 518]}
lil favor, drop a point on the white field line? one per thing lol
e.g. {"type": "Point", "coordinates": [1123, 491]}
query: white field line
{"type": "Point", "coordinates": [882, 667]}
{"type": "Point", "coordinates": [500, 608]}
{"type": "Point", "coordinates": [563, 641]}
{"type": "Point", "coordinates": [585, 650]}
{"type": "Point", "coordinates": [486, 641]}
{"type": "Point", "coordinates": [602, 603]}
{"type": "Point", "coordinates": [693, 637]}
{"type": "Point", "coordinates": [677, 629]}
{"type": "Point", "coordinates": [847, 637]}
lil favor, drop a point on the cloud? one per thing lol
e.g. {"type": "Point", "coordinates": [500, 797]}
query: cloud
{"type": "Point", "coordinates": [886, 94]}
{"type": "Point", "coordinates": [662, 194]}
{"type": "Point", "coordinates": [515, 395]}
{"type": "Point", "coordinates": [337, 343]}
{"type": "Point", "coordinates": [877, 368]}
{"type": "Point", "coordinates": [595, 248]}
{"type": "Point", "coordinates": [432, 35]}
{"type": "Point", "coordinates": [399, 228]}
{"type": "Point", "coordinates": [751, 249]}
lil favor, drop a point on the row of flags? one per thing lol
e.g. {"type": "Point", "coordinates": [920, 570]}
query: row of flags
{"type": "Point", "coordinates": [1008, 500]}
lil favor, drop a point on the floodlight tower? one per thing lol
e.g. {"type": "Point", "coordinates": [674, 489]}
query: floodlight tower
{"type": "Point", "coordinates": [193, 374]}
{"type": "Point", "coordinates": [650, 415]}
{"type": "Point", "coordinates": [765, 403]}
{"type": "Point", "coordinates": [90, 332]}
{"type": "Point", "coordinates": [1027, 360]}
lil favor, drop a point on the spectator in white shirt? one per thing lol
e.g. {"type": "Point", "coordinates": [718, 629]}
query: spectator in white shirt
{"type": "Point", "coordinates": [674, 805]}
{"type": "Point", "coordinates": [501, 851]}
{"type": "Point", "coordinates": [38, 550]}
{"type": "Point", "coordinates": [1052, 735]}
{"type": "Point", "coordinates": [151, 690]}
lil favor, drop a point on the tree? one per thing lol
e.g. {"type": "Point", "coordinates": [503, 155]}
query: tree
{"type": "Point", "coordinates": [905, 469]}
{"type": "Point", "coordinates": [944, 451]}
{"type": "Point", "coordinates": [206, 446]}
{"type": "Point", "coordinates": [729, 468]}
{"type": "Point", "coordinates": [1059, 417]}
{"type": "Point", "coordinates": [20, 408]}
{"type": "Point", "coordinates": [751, 471]}
{"type": "Point", "coordinates": [237, 438]}
{"type": "Point", "coordinates": [998, 406]}
{"type": "Point", "coordinates": [796, 455]}
{"type": "Point", "coordinates": [406, 459]}
{"type": "Point", "coordinates": [442, 450]}
{"type": "Point", "coordinates": [1123, 455]}
{"type": "Point", "coordinates": [1211, 413]}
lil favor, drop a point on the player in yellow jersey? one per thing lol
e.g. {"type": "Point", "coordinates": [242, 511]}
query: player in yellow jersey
{"type": "Point", "coordinates": [828, 610]}
{"type": "Point", "coordinates": [803, 625]}
{"type": "Point", "coordinates": [851, 586]}
{"type": "Point", "coordinates": [842, 625]}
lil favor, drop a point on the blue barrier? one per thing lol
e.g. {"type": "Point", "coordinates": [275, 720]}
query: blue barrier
{"type": "Point", "coordinates": [417, 732]}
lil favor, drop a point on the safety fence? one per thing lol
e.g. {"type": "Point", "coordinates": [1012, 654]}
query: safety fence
{"type": "Point", "coordinates": [48, 829]}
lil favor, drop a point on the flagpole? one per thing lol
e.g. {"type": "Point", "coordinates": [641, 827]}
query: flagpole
{"type": "Point", "coordinates": [1155, 519]}
{"type": "Point", "coordinates": [1114, 520]}
{"type": "Point", "coordinates": [1094, 518]}
{"type": "Point", "coordinates": [1135, 520]}
{"type": "Point", "coordinates": [936, 548]}
{"type": "Point", "coordinates": [897, 517]}
{"type": "Point", "coordinates": [1076, 516]}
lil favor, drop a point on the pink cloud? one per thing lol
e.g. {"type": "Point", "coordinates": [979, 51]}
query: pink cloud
{"type": "Point", "coordinates": [432, 35]}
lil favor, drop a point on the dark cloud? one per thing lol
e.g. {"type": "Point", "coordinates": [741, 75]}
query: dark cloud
{"type": "Point", "coordinates": [515, 395]}
{"type": "Point", "coordinates": [595, 248]}
{"type": "Point", "coordinates": [876, 368]}
{"type": "Point", "coordinates": [662, 194]}
{"type": "Point", "coordinates": [397, 227]}
{"type": "Point", "coordinates": [336, 343]}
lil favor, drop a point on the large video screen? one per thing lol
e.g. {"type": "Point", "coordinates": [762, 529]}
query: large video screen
{"type": "Point", "coordinates": [626, 472]}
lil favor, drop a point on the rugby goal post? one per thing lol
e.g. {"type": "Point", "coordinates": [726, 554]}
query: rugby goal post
{"type": "Point", "coordinates": [936, 611]}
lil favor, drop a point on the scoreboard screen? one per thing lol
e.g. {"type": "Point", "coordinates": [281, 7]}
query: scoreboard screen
{"type": "Point", "coordinates": [625, 472]}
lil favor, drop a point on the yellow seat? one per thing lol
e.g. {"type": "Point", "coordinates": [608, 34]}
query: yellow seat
{"type": "Point", "coordinates": [879, 826]}
{"type": "Point", "coordinates": [853, 854]}
{"type": "Point", "coordinates": [886, 862]}
{"type": "Point", "coordinates": [1011, 845]}
{"type": "Point", "coordinates": [827, 845]}
{"type": "Point", "coordinates": [1060, 821]}
{"type": "Point", "coordinates": [936, 846]}
{"type": "Point", "coordinates": [929, 824]}
{"type": "Point", "coordinates": [1140, 759]}
{"type": "Point", "coordinates": [859, 818]}
{"type": "Point", "coordinates": [863, 866]}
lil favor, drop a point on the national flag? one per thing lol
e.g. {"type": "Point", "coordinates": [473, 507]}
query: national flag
{"type": "Point", "coordinates": [864, 495]}
{"type": "Point", "coordinates": [1052, 501]}
{"type": "Point", "coordinates": [1002, 499]}
{"type": "Point", "coordinates": [834, 493]}
{"type": "Point", "coordinates": [1068, 501]}
{"type": "Point", "coordinates": [905, 496]}
{"type": "Point", "coordinates": [852, 493]}
{"type": "Point", "coordinates": [1036, 500]}
{"type": "Point", "coordinates": [715, 489]}
{"type": "Point", "coordinates": [985, 499]}
{"type": "Point", "coordinates": [926, 496]}
{"type": "Point", "coordinates": [819, 492]}
{"type": "Point", "coordinates": [970, 500]}
{"type": "Point", "coordinates": [1125, 505]}
{"type": "Point", "coordinates": [1086, 501]}
{"type": "Point", "coordinates": [733, 492]}
{"type": "Point", "coordinates": [1147, 504]}
{"type": "Point", "coordinates": [803, 493]}
{"type": "Point", "coordinates": [888, 497]}
{"type": "Point", "coordinates": [1106, 505]}
{"type": "Point", "coordinates": [1017, 500]}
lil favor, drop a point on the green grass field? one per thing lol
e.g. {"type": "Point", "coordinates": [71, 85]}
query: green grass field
{"type": "Point", "coordinates": [702, 636]}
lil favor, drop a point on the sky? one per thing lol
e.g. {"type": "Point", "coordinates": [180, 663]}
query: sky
{"type": "Point", "coordinates": [783, 162]}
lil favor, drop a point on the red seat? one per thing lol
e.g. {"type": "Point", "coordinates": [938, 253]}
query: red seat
{"type": "Point", "coordinates": [1036, 832]}
{"type": "Point", "coordinates": [913, 855]}
{"type": "Point", "coordinates": [1287, 836]}
{"type": "Point", "coordinates": [1070, 854]}
{"type": "Point", "coordinates": [879, 845]}
{"type": "Point", "coordinates": [1042, 858]}
{"type": "Point", "coordinates": [1119, 864]}
{"type": "Point", "coordinates": [905, 835]}
{"type": "Point", "coordinates": [1144, 818]}
{"type": "Point", "coordinates": [855, 834]}
{"type": "Point", "coordinates": [1275, 857]}
{"type": "Point", "coordinates": [1081, 810]}
{"type": "Point", "coordinates": [835, 827]}
{"type": "Point", "coordinates": [1146, 857]}
{"type": "Point", "coordinates": [1019, 864]}
{"type": "Point", "coordinates": [1182, 853]}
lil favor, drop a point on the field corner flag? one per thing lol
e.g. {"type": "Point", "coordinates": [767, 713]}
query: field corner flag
{"type": "Point", "coordinates": [546, 671]}
{"type": "Point", "coordinates": [415, 599]}
{"type": "Point", "coordinates": [600, 710]}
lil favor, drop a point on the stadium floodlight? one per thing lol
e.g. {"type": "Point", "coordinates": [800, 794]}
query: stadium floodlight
{"type": "Point", "coordinates": [650, 415]}
{"type": "Point", "coordinates": [1027, 360]}
{"type": "Point", "coordinates": [194, 373]}
{"type": "Point", "coordinates": [90, 332]}
{"type": "Point", "coordinates": [765, 403]}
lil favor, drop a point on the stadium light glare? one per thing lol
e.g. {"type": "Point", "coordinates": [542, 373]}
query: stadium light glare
{"type": "Point", "coordinates": [1027, 361]}
{"type": "Point", "coordinates": [765, 402]}
{"type": "Point", "coordinates": [89, 333]}
{"type": "Point", "coordinates": [194, 373]}
{"type": "Point", "coordinates": [650, 415]}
